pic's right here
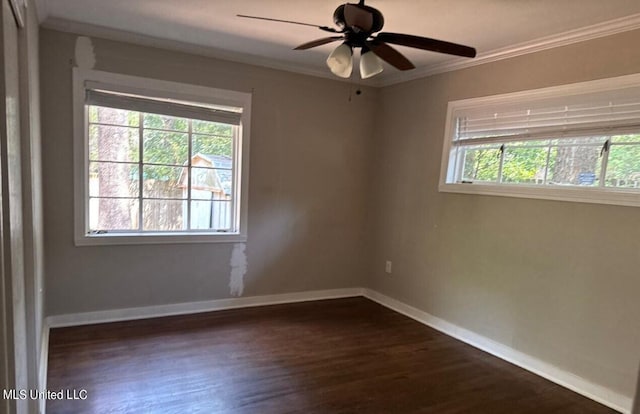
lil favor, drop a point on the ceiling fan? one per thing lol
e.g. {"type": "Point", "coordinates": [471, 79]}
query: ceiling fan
{"type": "Point", "coordinates": [359, 27]}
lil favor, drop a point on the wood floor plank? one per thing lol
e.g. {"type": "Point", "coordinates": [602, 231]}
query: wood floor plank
{"type": "Point", "coordinates": [333, 356]}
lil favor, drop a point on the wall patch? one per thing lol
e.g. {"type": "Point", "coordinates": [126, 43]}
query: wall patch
{"type": "Point", "coordinates": [238, 269]}
{"type": "Point", "coordinates": [85, 56]}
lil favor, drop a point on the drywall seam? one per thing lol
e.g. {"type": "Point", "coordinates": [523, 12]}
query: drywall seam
{"type": "Point", "coordinates": [238, 264]}
{"type": "Point", "coordinates": [541, 368]}
{"type": "Point", "coordinates": [85, 57]}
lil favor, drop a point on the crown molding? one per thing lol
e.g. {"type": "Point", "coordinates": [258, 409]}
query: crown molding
{"type": "Point", "coordinates": [90, 30]}
{"type": "Point", "coordinates": [595, 31]}
{"type": "Point", "coordinates": [608, 28]}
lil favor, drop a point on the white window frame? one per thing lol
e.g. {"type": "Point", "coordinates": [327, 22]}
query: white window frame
{"type": "Point", "coordinates": [599, 195]}
{"type": "Point", "coordinates": [165, 90]}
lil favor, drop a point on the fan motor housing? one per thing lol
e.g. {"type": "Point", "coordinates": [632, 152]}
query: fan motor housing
{"type": "Point", "coordinates": [378, 20]}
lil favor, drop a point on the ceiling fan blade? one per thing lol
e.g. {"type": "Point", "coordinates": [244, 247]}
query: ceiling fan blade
{"type": "Point", "coordinates": [426, 43]}
{"type": "Point", "coordinates": [356, 17]}
{"type": "Point", "coordinates": [318, 42]}
{"type": "Point", "coordinates": [269, 19]}
{"type": "Point", "coordinates": [390, 55]}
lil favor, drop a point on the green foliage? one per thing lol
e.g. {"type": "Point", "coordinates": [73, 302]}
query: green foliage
{"type": "Point", "coordinates": [162, 145]}
{"type": "Point", "coordinates": [623, 167]}
{"type": "Point", "coordinates": [522, 164]}
{"type": "Point", "coordinates": [481, 164]}
{"type": "Point", "coordinates": [525, 162]}
{"type": "Point", "coordinates": [166, 123]}
{"type": "Point", "coordinates": [212, 128]}
{"type": "Point", "coordinates": [626, 138]}
{"type": "Point", "coordinates": [212, 145]}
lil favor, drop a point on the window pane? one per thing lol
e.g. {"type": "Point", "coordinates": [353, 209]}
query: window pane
{"type": "Point", "coordinates": [537, 143]}
{"type": "Point", "coordinates": [524, 165]}
{"type": "Point", "coordinates": [164, 182]}
{"type": "Point", "coordinates": [212, 128]}
{"type": "Point", "coordinates": [623, 167]}
{"type": "Point", "coordinates": [626, 138]}
{"type": "Point", "coordinates": [597, 141]}
{"type": "Point", "coordinates": [211, 184]}
{"type": "Point", "coordinates": [165, 122]}
{"type": "Point", "coordinates": [480, 163]}
{"type": "Point", "coordinates": [162, 147]}
{"type": "Point", "coordinates": [112, 116]}
{"type": "Point", "coordinates": [575, 165]}
{"type": "Point", "coordinates": [108, 179]}
{"type": "Point", "coordinates": [113, 214]}
{"type": "Point", "coordinates": [212, 146]}
{"type": "Point", "coordinates": [111, 143]}
{"type": "Point", "coordinates": [214, 215]}
{"type": "Point", "coordinates": [163, 215]}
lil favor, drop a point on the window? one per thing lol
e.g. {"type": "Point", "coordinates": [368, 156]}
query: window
{"type": "Point", "coordinates": [158, 162]}
{"type": "Point", "coordinates": [578, 142]}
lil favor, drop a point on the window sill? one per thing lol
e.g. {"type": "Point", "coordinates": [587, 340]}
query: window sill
{"type": "Point", "coordinates": [572, 194]}
{"type": "Point", "coordinates": [157, 238]}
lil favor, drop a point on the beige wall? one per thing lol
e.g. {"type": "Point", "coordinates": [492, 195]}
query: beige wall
{"type": "Point", "coordinates": [556, 280]}
{"type": "Point", "coordinates": [309, 152]}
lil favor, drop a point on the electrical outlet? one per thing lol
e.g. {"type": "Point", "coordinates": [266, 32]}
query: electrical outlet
{"type": "Point", "coordinates": [387, 266]}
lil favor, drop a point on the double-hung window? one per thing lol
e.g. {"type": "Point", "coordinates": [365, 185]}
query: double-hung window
{"type": "Point", "coordinates": [158, 162]}
{"type": "Point", "coordinates": [578, 142]}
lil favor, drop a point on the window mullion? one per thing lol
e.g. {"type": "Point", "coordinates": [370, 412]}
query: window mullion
{"type": "Point", "coordinates": [189, 158]}
{"type": "Point", "coordinates": [140, 169]}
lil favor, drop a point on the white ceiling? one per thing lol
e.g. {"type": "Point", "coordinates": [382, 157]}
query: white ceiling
{"type": "Point", "coordinates": [494, 27]}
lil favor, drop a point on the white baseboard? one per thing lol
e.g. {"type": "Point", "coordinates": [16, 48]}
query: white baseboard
{"type": "Point", "coordinates": [557, 375]}
{"type": "Point", "coordinates": [116, 315]}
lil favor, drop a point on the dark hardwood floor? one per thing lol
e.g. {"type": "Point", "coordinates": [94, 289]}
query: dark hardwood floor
{"type": "Point", "coordinates": [333, 356]}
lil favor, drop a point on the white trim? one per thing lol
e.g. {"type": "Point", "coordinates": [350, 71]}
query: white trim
{"type": "Point", "coordinates": [599, 195]}
{"type": "Point", "coordinates": [115, 315]}
{"type": "Point", "coordinates": [557, 375]}
{"type": "Point", "coordinates": [153, 87]}
{"type": "Point", "coordinates": [120, 239]}
{"type": "Point", "coordinates": [43, 365]}
{"type": "Point", "coordinates": [557, 193]}
{"type": "Point", "coordinates": [85, 29]}
{"type": "Point", "coordinates": [608, 28]}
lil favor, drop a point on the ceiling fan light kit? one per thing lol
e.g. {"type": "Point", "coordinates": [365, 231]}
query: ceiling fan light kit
{"type": "Point", "coordinates": [340, 61]}
{"type": "Point", "coordinates": [370, 64]}
{"type": "Point", "coordinates": [359, 27]}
